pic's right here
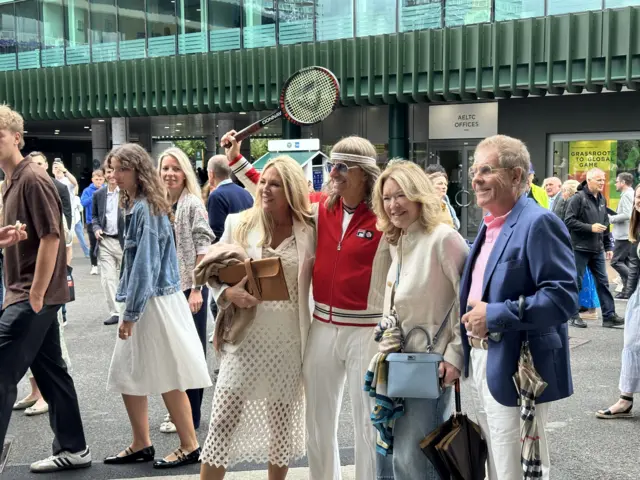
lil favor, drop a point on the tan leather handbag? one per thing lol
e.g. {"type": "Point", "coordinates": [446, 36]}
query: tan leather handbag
{"type": "Point", "coordinates": [265, 278]}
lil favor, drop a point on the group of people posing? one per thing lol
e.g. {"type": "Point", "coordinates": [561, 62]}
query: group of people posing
{"type": "Point", "coordinates": [371, 236]}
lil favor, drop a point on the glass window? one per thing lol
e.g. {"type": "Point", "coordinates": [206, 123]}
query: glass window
{"type": "Point", "coordinates": [104, 35]}
{"type": "Point", "coordinates": [334, 19]}
{"type": "Point", "coordinates": [620, 3]}
{"type": "Point", "coordinates": [573, 159]}
{"type": "Point", "coordinates": [557, 7]}
{"type": "Point", "coordinates": [259, 20]}
{"type": "Point", "coordinates": [53, 39]}
{"type": "Point", "coordinates": [131, 29]}
{"type": "Point", "coordinates": [77, 32]}
{"type": "Point", "coordinates": [225, 18]}
{"type": "Point", "coordinates": [8, 44]}
{"type": "Point", "coordinates": [27, 20]}
{"type": "Point", "coordinates": [420, 14]}
{"type": "Point", "coordinates": [161, 27]}
{"type": "Point", "coordinates": [295, 21]}
{"type": "Point", "coordinates": [515, 9]}
{"type": "Point", "coordinates": [466, 12]}
{"type": "Point", "coordinates": [193, 26]}
{"type": "Point", "coordinates": [375, 17]}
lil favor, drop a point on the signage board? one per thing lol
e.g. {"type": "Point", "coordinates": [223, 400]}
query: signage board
{"type": "Point", "coordinates": [304, 145]}
{"type": "Point", "coordinates": [464, 120]}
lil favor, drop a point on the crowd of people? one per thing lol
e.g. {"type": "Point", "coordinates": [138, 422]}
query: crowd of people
{"type": "Point", "coordinates": [376, 251]}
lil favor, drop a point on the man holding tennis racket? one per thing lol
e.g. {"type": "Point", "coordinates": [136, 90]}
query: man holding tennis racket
{"type": "Point", "coordinates": [352, 261]}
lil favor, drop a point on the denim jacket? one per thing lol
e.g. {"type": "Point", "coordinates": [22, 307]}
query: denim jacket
{"type": "Point", "coordinates": [149, 261]}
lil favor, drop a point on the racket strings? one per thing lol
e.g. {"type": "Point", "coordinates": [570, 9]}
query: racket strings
{"type": "Point", "coordinates": [310, 96]}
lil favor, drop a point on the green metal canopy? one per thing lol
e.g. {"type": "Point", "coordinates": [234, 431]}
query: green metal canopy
{"type": "Point", "coordinates": [301, 157]}
{"type": "Point", "coordinates": [575, 52]}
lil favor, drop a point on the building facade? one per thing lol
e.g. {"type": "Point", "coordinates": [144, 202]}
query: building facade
{"type": "Point", "coordinates": [422, 79]}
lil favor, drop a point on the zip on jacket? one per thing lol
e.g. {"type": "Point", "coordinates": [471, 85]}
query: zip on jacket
{"type": "Point", "coordinates": [350, 270]}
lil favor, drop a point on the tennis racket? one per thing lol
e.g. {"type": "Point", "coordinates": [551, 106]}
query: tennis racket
{"type": "Point", "coordinates": [309, 96]}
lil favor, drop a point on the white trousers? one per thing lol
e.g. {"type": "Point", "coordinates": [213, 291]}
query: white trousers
{"type": "Point", "coordinates": [110, 259]}
{"type": "Point", "coordinates": [500, 425]}
{"type": "Point", "coordinates": [332, 354]}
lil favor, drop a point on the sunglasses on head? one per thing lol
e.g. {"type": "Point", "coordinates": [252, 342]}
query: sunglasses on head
{"type": "Point", "coordinates": [341, 168]}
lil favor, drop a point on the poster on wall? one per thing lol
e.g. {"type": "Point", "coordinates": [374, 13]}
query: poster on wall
{"type": "Point", "coordinates": [611, 156]}
{"type": "Point", "coordinates": [587, 154]}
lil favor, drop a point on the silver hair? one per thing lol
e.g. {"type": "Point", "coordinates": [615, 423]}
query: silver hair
{"type": "Point", "coordinates": [512, 153]}
{"type": "Point", "coordinates": [593, 171]}
{"type": "Point", "coordinates": [219, 165]}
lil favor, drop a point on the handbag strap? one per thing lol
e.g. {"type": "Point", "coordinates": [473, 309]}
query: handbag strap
{"type": "Point", "coordinates": [430, 343]}
{"type": "Point", "coordinates": [251, 280]}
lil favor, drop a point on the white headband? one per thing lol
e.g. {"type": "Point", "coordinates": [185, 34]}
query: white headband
{"type": "Point", "coordinates": [347, 157]}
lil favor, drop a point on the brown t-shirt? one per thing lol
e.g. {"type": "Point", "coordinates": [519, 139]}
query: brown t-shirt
{"type": "Point", "coordinates": [31, 198]}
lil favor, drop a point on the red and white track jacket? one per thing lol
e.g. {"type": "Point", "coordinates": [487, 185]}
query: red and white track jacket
{"type": "Point", "coordinates": [350, 271]}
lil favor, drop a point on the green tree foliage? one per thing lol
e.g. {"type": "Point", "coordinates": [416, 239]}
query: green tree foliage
{"type": "Point", "coordinates": [190, 147]}
{"type": "Point", "coordinates": [259, 146]}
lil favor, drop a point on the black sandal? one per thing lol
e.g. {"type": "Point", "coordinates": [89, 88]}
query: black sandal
{"type": "Point", "coordinates": [608, 414]}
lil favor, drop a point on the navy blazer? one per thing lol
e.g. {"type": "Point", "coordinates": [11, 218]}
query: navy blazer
{"type": "Point", "coordinates": [532, 256]}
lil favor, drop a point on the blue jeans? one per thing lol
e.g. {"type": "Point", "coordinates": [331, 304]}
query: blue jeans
{"type": "Point", "coordinates": [598, 267]}
{"type": "Point", "coordinates": [80, 234]}
{"type": "Point", "coordinates": [420, 418]}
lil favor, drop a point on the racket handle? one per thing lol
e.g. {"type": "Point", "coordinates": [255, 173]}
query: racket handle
{"type": "Point", "coordinates": [255, 127]}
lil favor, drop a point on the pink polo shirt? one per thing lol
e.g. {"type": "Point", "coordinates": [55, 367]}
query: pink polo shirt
{"type": "Point", "coordinates": [494, 227]}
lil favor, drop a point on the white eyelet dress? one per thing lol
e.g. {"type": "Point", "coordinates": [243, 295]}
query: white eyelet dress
{"type": "Point", "coordinates": [258, 405]}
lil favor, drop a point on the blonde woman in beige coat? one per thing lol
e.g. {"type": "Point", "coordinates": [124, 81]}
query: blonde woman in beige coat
{"type": "Point", "coordinates": [428, 256]}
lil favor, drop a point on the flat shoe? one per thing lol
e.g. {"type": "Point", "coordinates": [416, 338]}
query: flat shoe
{"type": "Point", "coordinates": [22, 404]}
{"type": "Point", "coordinates": [33, 411]}
{"type": "Point", "coordinates": [607, 414]}
{"type": "Point", "coordinates": [147, 454]}
{"type": "Point", "coordinates": [181, 460]}
{"type": "Point", "coordinates": [168, 427]}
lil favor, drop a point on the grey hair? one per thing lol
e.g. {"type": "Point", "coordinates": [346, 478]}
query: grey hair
{"type": "Point", "coordinates": [219, 165]}
{"type": "Point", "coordinates": [570, 186]}
{"type": "Point", "coordinates": [593, 171]}
{"type": "Point", "coordinates": [512, 153]}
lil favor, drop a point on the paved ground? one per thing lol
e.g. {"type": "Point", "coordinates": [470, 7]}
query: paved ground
{"type": "Point", "coordinates": [582, 447]}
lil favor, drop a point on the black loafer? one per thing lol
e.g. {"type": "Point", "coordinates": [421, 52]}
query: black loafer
{"type": "Point", "coordinates": [181, 460]}
{"type": "Point", "coordinates": [147, 454]}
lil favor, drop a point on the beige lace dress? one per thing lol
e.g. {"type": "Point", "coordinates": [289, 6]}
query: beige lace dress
{"type": "Point", "coordinates": [258, 405]}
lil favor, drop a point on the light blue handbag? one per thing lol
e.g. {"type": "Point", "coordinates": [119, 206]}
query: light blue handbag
{"type": "Point", "coordinates": [415, 375]}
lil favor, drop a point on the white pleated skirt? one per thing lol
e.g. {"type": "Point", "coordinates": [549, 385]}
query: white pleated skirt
{"type": "Point", "coordinates": [630, 372]}
{"type": "Point", "coordinates": [163, 354]}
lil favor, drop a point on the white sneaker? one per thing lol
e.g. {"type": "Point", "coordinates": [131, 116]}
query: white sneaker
{"type": "Point", "coordinates": [63, 461]}
{"type": "Point", "coordinates": [94, 270]}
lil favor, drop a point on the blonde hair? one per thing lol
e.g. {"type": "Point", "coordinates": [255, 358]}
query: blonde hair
{"type": "Point", "coordinates": [354, 145]}
{"type": "Point", "coordinates": [570, 187]}
{"type": "Point", "coordinates": [512, 153]}
{"type": "Point", "coordinates": [190, 181]}
{"type": "Point", "coordinates": [417, 187]}
{"type": "Point", "coordinates": [136, 158]}
{"type": "Point", "coordinates": [296, 191]}
{"type": "Point", "coordinates": [12, 121]}
{"type": "Point", "coordinates": [634, 223]}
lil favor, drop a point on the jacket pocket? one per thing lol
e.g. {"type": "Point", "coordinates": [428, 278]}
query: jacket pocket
{"type": "Point", "coordinates": [546, 341]}
{"type": "Point", "coordinates": [510, 264]}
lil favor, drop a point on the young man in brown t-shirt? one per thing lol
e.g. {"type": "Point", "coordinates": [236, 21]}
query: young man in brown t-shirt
{"type": "Point", "coordinates": [35, 270]}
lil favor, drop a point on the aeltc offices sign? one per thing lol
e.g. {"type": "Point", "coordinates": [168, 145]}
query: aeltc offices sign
{"type": "Point", "coordinates": [465, 120]}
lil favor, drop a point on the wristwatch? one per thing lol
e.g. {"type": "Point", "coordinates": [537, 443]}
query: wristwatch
{"type": "Point", "coordinates": [197, 288]}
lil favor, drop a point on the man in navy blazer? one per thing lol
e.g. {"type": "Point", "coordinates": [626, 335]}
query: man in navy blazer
{"type": "Point", "coordinates": [519, 283]}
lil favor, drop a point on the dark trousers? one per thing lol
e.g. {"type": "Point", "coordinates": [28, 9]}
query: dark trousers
{"type": "Point", "coordinates": [200, 319]}
{"type": "Point", "coordinates": [620, 262]}
{"type": "Point", "coordinates": [634, 271]}
{"type": "Point", "coordinates": [92, 245]}
{"type": "Point", "coordinates": [596, 262]}
{"type": "Point", "coordinates": [29, 339]}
